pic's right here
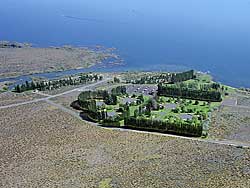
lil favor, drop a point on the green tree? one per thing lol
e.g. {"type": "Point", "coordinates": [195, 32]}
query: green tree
{"type": "Point", "coordinates": [18, 89]}
{"type": "Point", "coordinates": [141, 98]}
{"type": "Point", "coordinates": [136, 113]}
{"type": "Point", "coordinates": [114, 99]}
{"type": "Point", "coordinates": [116, 80]}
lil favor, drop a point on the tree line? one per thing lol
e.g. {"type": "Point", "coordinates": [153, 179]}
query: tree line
{"type": "Point", "coordinates": [55, 84]}
{"type": "Point", "coordinates": [188, 128]}
{"type": "Point", "coordinates": [164, 78]}
{"type": "Point", "coordinates": [119, 90]}
{"type": "Point", "coordinates": [141, 118]}
{"type": "Point", "coordinates": [87, 99]}
{"type": "Point", "coordinates": [196, 94]}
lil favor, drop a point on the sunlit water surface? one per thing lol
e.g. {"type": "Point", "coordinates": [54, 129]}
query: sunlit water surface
{"type": "Point", "coordinates": [207, 35]}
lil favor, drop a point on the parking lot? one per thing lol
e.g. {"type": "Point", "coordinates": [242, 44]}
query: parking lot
{"type": "Point", "coordinates": [141, 89]}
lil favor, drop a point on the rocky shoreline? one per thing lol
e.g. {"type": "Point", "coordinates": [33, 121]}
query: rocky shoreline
{"type": "Point", "coordinates": [8, 44]}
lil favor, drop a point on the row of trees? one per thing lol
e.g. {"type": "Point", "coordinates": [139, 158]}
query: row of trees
{"type": "Point", "coordinates": [102, 94]}
{"type": "Point", "coordinates": [203, 95]}
{"type": "Point", "coordinates": [119, 90]}
{"type": "Point", "coordinates": [87, 95]}
{"type": "Point", "coordinates": [141, 118]}
{"type": "Point", "coordinates": [87, 99]}
{"type": "Point", "coordinates": [55, 84]}
{"type": "Point", "coordinates": [197, 85]}
{"type": "Point", "coordinates": [164, 78]}
{"type": "Point", "coordinates": [183, 76]}
{"type": "Point", "coordinates": [189, 128]}
{"type": "Point", "coordinates": [88, 105]}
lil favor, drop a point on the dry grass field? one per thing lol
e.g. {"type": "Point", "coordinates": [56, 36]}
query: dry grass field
{"type": "Point", "coordinates": [244, 99]}
{"type": "Point", "coordinates": [66, 100]}
{"type": "Point", "coordinates": [60, 90]}
{"type": "Point", "coordinates": [42, 146]}
{"type": "Point", "coordinates": [231, 123]}
{"type": "Point", "coordinates": [8, 98]}
{"type": "Point", "coordinates": [22, 61]}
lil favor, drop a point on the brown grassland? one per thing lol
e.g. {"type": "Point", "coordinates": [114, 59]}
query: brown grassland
{"type": "Point", "coordinates": [233, 122]}
{"type": "Point", "coordinates": [23, 61]}
{"type": "Point", "coordinates": [45, 147]}
{"type": "Point", "coordinates": [8, 98]}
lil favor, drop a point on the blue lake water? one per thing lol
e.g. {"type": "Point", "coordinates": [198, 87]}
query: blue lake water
{"type": "Point", "coordinates": [208, 35]}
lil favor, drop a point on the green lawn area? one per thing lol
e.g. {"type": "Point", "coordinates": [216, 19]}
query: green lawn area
{"type": "Point", "coordinates": [200, 107]}
{"type": "Point", "coordinates": [205, 78]}
{"type": "Point", "coordinates": [230, 89]}
{"type": "Point", "coordinates": [169, 113]}
{"type": "Point", "coordinates": [132, 109]}
{"type": "Point", "coordinates": [111, 108]}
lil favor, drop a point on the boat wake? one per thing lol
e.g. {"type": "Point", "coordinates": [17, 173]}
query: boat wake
{"type": "Point", "coordinates": [91, 19]}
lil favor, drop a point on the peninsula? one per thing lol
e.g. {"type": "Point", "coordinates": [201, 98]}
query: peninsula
{"type": "Point", "coordinates": [18, 59]}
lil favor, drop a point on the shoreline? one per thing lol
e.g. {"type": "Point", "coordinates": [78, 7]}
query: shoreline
{"type": "Point", "coordinates": [21, 59]}
{"type": "Point", "coordinates": [99, 56]}
{"type": "Point", "coordinates": [50, 75]}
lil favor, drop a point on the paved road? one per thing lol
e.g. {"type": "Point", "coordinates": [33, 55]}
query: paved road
{"type": "Point", "coordinates": [86, 87]}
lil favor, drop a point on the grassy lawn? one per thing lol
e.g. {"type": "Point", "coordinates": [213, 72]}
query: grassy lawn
{"type": "Point", "coordinates": [132, 109]}
{"type": "Point", "coordinates": [191, 107]}
{"type": "Point", "coordinates": [205, 78]}
{"type": "Point", "coordinates": [201, 79]}
{"type": "Point", "coordinates": [189, 104]}
{"type": "Point", "coordinates": [111, 108]}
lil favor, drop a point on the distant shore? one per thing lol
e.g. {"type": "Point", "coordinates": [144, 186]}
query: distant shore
{"type": "Point", "coordinates": [17, 59]}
